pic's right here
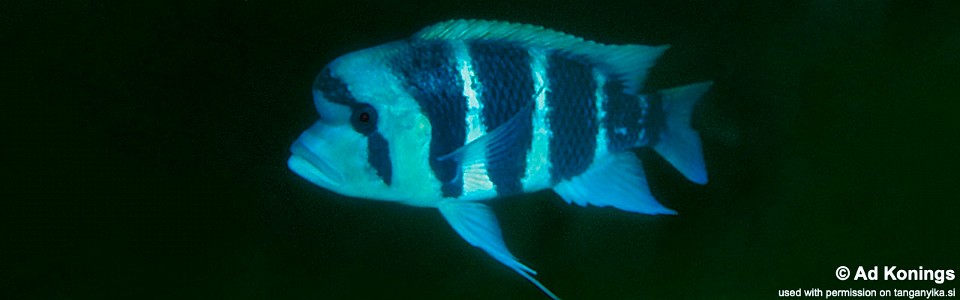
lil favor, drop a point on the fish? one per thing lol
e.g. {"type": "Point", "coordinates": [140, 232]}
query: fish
{"type": "Point", "coordinates": [467, 111]}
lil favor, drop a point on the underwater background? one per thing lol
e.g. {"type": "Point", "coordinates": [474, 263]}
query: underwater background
{"type": "Point", "coordinates": [145, 148]}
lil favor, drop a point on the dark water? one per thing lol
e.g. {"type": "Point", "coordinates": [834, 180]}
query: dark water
{"type": "Point", "coordinates": [146, 146]}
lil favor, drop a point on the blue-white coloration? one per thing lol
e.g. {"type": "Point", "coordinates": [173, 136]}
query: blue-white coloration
{"type": "Point", "coordinates": [467, 111]}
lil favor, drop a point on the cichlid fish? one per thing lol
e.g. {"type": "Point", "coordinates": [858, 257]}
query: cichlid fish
{"type": "Point", "coordinates": [470, 110]}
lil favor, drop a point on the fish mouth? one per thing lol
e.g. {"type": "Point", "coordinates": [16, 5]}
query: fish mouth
{"type": "Point", "coordinates": [312, 167]}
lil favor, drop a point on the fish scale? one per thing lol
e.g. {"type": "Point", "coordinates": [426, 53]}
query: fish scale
{"type": "Point", "coordinates": [624, 117]}
{"type": "Point", "coordinates": [504, 72]}
{"type": "Point", "coordinates": [507, 88]}
{"type": "Point", "coordinates": [572, 113]}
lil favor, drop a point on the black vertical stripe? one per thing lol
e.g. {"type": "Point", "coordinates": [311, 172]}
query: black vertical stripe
{"type": "Point", "coordinates": [430, 75]}
{"type": "Point", "coordinates": [503, 70]}
{"type": "Point", "coordinates": [624, 117]}
{"type": "Point", "coordinates": [378, 155]}
{"type": "Point", "coordinates": [333, 88]}
{"type": "Point", "coordinates": [629, 115]}
{"type": "Point", "coordinates": [572, 115]}
{"type": "Point", "coordinates": [654, 118]}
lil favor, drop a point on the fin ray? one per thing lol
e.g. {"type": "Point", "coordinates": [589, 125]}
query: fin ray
{"type": "Point", "coordinates": [616, 180]}
{"type": "Point", "coordinates": [477, 224]}
{"type": "Point", "coordinates": [679, 144]}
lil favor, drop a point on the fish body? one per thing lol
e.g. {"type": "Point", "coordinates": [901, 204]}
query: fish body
{"type": "Point", "coordinates": [469, 110]}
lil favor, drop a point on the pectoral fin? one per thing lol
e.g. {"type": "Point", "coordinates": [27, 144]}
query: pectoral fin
{"type": "Point", "coordinates": [477, 224]}
{"type": "Point", "coordinates": [495, 146]}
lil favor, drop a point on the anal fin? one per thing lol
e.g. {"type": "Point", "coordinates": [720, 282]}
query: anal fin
{"type": "Point", "coordinates": [477, 224]}
{"type": "Point", "coordinates": [615, 180]}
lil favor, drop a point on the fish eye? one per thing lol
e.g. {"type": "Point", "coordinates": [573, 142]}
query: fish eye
{"type": "Point", "coordinates": [364, 119]}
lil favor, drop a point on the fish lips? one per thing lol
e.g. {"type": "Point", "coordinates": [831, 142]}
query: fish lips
{"type": "Point", "coordinates": [313, 167]}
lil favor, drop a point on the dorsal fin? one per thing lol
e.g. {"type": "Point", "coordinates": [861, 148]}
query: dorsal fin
{"type": "Point", "coordinates": [629, 63]}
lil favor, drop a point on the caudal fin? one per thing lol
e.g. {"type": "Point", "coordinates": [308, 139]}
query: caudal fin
{"type": "Point", "coordinates": [679, 144]}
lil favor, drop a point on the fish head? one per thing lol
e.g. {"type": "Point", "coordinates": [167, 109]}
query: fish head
{"type": "Point", "coordinates": [371, 140]}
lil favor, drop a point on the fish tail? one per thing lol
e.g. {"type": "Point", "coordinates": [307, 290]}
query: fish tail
{"type": "Point", "coordinates": [678, 143]}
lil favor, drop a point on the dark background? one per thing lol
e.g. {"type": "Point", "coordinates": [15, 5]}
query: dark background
{"type": "Point", "coordinates": [146, 143]}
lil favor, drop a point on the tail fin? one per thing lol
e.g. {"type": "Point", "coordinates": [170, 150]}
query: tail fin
{"type": "Point", "coordinates": [679, 144]}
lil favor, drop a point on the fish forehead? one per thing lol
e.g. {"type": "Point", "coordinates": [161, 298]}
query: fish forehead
{"type": "Point", "coordinates": [367, 74]}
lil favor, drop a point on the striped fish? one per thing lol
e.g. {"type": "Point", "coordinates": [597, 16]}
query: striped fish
{"type": "Point", "coordinates": [468, 110]}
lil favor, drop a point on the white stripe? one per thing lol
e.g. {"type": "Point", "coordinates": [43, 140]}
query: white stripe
{"type": "Point", "coordinates": [476, 182]}
{"type": "Point", "coordinates": [537, 174]}
{"type": "Point", "coordinates": [471, 87]}
{"type": "Point", "coordinates": [601, 97]}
